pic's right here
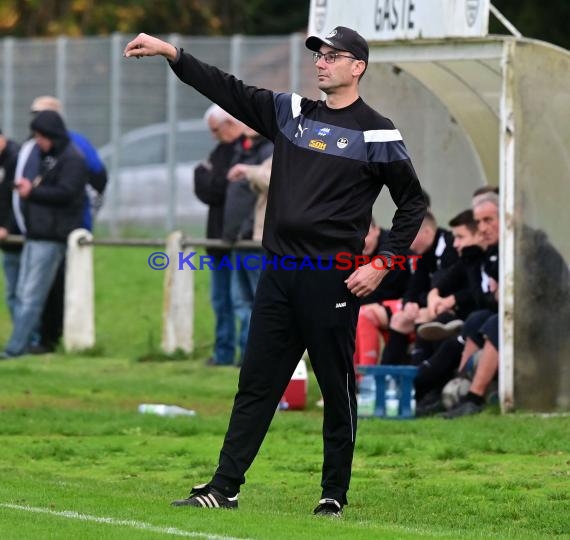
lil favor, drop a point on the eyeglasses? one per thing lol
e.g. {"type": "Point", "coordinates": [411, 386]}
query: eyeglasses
{"type": "Point", "coordinates": [329, 57]}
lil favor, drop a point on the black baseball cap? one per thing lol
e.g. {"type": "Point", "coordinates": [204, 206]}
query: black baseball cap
{"type": "Point", "coordinates": [343, 39]}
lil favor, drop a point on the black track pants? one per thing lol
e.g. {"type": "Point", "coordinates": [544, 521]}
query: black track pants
{"type": "Point", "coordinates": [294, 310]}
{"type": "Point", "coordinates": [437, 370]}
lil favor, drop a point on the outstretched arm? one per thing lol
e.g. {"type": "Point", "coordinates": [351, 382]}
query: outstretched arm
{"type": "Point", "coordinates": [145, 45]}
{"type": "Point", "coordinates": [249, 104]}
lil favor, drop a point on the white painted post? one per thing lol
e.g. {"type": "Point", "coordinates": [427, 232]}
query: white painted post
{"type": "Point", "coordinates": [79, 310]}
{"type": "Point", "coordinates": [507, 297]}
{"type": "Point", "coordinates": [178, 308]}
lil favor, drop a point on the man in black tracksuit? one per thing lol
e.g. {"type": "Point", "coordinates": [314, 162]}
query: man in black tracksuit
{"type": "Point", "coordinates": [331, 160]}
{"type": "Point", "coordinates": [435, 245]}
{"type": "Point", "coordinates": [440, 256]}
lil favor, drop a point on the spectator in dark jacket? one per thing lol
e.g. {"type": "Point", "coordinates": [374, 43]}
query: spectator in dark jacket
{"type": "Point", "coordinates": [239, 214]}
{"type": "Point", "coordinates": [97, 173]}
{"type": "Point", "coordinates": [210, 186]}
{"type": "Point", "coordinates": [51, 327]}
{"type": "Point", "coordinates": [53, 207]}
{"type": "Point", "coordinates": [11, 260]}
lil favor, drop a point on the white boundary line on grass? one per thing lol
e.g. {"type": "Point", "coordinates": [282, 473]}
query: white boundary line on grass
{"type": "Point", "coordinates": [121, 522]}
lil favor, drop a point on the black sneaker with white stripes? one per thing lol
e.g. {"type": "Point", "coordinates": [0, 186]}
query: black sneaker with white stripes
{"type": "Point", "coordinates": [205, 496]}
{"type": "Point", "coordinates": [328, 507]}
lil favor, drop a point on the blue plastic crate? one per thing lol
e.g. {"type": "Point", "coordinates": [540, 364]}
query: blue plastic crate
{"type": "Point", "coordinates": [404, 377]}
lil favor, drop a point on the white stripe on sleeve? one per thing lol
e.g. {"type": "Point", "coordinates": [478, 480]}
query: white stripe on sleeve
{"type": "Point", "coordinates": [382, 135]}
{"type": "Point", "coordinates": [295, 105]}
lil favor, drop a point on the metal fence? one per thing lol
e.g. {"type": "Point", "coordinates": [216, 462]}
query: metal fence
{"type": "Point", "coordinates": [148, 126]}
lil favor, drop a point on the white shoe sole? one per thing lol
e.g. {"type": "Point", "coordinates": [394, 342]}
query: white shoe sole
{"type": "Point", "coordinates": [436, 331]}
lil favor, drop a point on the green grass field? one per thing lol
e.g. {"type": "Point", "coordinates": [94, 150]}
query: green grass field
{"type": "Point", "coordinates": [78, 461]}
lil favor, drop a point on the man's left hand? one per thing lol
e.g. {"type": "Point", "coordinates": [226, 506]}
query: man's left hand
{"type": "Point", "coordinates": [238, 172]}
{"type": "Point", "coordinates": [365, 280]}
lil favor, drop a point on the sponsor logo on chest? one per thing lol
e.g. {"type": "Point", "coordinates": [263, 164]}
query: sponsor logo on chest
{"type": "Point", "coordinates": [322, 132]}
{"type": "Point", "coordinates": [317, 144]}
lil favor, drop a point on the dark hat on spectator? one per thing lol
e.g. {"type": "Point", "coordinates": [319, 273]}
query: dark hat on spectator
{"type": "Point", "coordinates": [49, 124]}
{"type": "Point", "coordinates": [343, 39]}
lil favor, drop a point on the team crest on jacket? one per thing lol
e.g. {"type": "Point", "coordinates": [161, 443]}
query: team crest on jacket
{"type": "Point", "coordinates": [342, 142]}
{"type": "Point", "coordinates": [317, 144]}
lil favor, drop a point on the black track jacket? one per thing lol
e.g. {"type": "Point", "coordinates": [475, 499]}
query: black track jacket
{"type": "Point", "coordinates": [329, 166]}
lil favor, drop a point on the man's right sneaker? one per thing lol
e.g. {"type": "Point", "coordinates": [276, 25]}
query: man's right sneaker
{"type": "Point", "coordinates": [205, 496]}
{"type": "Point", "coordinates": [436, 331]}
{"type": "Point", "coordinates": [328, 507]}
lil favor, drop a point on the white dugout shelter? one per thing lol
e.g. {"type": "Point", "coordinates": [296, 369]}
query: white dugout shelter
{"type": "Point", "coordinates": [509, 101]}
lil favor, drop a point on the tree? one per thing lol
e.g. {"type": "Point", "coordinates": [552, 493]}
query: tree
{"type": "Point", "coordinates": [35, 18]}
{"type": "Point", "coordinates": [536, 19]}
